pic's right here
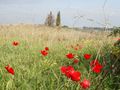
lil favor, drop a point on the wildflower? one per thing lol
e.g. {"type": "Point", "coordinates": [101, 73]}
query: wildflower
{"type": "Point", "coordinates": [63, 69]}
{"type": "Point", "coordinates": [94, 62]}
{"type": "Point", "coordinates": [44, 53]}
{"type": "Point", "coordinates": [67, 70]}
{"type": "Point", "coordinates": [46, 48]}
{"type": "Point", "coordinates": [70, 56]}
{"type": "Point", "coordinates": [68, 73]}
{"type": "Point", "coordinates": [9, 69]}
{"type": "Point", "coordinates": [85, 84]}
{"type": "Point", "coordinates": [76, 61]}
{"type": "Point", "coordinates": [87, 56]}
{"type": "Point", "coordinates": [15, 43]}
{"type": "Point", "coordinates": [97, 68]}
{"type": "Point", "coordinates": [75, 75]}
{"type": "Point", "coordinates": [71, 73]}
{"type": "Point", "coordinates": [76, 48]}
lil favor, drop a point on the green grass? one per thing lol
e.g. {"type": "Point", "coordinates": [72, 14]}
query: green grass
{"type": "Point", "coordinates": [35, 72]}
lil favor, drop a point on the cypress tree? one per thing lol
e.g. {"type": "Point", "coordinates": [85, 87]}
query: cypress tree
{"type": "Point", "coordinates": [58, 19]}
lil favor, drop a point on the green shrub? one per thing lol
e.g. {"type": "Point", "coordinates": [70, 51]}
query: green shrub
{"type": "Point", "coordinates": [115, 32]}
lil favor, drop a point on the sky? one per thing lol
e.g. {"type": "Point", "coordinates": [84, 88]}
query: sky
{"type": "Point", "coordinates": [77, 13]}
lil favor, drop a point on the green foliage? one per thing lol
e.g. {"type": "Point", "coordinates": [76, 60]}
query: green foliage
{"type": "Point", "coordinates": [34, 72]}
{"type": "Point", "coordinates": [116, 50]}
{"type": "Point", "coordinates": [0, 76]}
{"type": "Point", "coordinates": [115, 58]}
{"type": "Point", "coordinates": [115, 32]}
{"type": "Point", "coordinates": [58, 19]}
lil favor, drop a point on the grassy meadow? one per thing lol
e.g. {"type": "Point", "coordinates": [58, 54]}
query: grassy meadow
{"type": "Point", "coordinates": [36, 72]}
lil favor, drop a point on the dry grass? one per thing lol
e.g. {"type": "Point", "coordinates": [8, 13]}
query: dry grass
{"type": "Point", "coordinates": [48, 35]}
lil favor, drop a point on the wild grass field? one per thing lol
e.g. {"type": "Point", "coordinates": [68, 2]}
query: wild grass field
{"type": "Point", "coordinates": [34, 71]}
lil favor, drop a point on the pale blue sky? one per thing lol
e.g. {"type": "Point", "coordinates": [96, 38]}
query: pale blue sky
{"type": "Point", "coordinates": [35, 11]}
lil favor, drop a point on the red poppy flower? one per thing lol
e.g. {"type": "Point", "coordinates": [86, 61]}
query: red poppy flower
{"type": "Point", "coordinates": [44, 53]}
{"type": "Point", "coordinates": [68, 74]}
{"type": "Point", "coordinates": [76, 61]}
{"type": "Point", "coordinates": [76, 48]}
{"type": "Point", "coordinates": [63, 69]}
{"type": "Point", "coordinates": [97, 68]}
{"type": "Point", "coordinates": [94, 62]}
{"type": "Point", "coordinates": [85, 84]}
{"type": "Point", "coordinates": [75, 75]}
{"type": "Point", "coordinates": [66, 70]}
{"type": "Point", "coordinates": [46, 48]}
{"type": "Point", "coordinates": [69, 70]}
{"type": "Point", "coordinates": [70, 56]}
{"type": "Point", "coordinates": [15, 43]}
{"type": "Point", "coordinates": [87, 56]}
{"type": "Point", "coordinates": [71, 73]}
{"type": "Point", "coordinates": [9, 69]}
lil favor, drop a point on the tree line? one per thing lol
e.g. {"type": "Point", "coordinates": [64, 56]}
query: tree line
{"type": "Point", "coordinates": [51, 21]}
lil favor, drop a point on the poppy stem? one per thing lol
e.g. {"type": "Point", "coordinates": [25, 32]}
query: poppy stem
{"type": "Point", "coordinates": [101, 81]}
{"type": "Point", "coordinates": [85, 65]}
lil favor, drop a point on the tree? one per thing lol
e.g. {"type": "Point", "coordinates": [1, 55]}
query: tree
{"type": "Point", "coordinates": [58, 19]}
{"type": "Point", "coordinates": [50, 20]}
{"type": "Point", "coordinates": [115, 32]}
